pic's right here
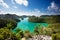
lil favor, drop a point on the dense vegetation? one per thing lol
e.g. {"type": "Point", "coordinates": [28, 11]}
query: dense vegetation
{"type": "Point", "coordinates": [36, 19]}
{"type": "Point", "coordinates": [6, 34]}
{"type": "Point", "coordinates": [11, 16]}
{"type": "Point", "coordinates": [45, 18]}
{"type": "Point", "coordinates": [8, 20]}
{"type": "Point", "coordinates": [52, 19]}
{"type": "Point", "coordinates": [53, 28]}
{"type": "Point", "coordinates": [8, 23]}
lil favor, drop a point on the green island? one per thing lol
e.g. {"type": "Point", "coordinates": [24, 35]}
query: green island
{"type": "Point", "coordinates": [8, 22]}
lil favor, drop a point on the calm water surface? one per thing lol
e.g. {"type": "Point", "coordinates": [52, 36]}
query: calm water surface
{"type": "Point", "coordinates": [26, 25]}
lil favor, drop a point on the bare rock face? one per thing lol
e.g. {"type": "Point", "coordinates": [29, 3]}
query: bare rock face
{"type": "Point", "coordinates": [23, 39]}
{"type": "Point", "coordinates": [40, 37]}
{"type": "Point", "coordinates": [8, 39]}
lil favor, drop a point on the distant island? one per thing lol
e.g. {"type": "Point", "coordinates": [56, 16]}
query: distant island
{"type": "Point", "coordinates": [8, 19]}
{"type": "Point", "coordinates": [45, 18]}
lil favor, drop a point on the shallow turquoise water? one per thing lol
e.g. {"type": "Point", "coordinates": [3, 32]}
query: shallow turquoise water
{"type": "Point", "coordinates": [26, 25]}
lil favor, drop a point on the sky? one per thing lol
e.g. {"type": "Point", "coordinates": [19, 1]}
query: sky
{"type": "Point", "coordinates": [30, 7]}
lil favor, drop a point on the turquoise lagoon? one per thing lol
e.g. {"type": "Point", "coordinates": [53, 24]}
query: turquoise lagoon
{"type": "Point", "coordinates": [26, 25]}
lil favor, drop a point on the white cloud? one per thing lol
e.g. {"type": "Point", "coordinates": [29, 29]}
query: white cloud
{"type": "Point", "coordinates": [35, 12]}
{"type": "Point", "coordinates": [22, 2]}
{"type": "Point", "coordinates": [53, 6]}
{"type": "Point", "coordinates": [2, 3]}
{"type": "Point", "coordinates": [5, 5]}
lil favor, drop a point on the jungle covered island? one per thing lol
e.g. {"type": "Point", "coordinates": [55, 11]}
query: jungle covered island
{"type": "Point", "coordinates": [45, 18]}
{"type": "Point", "coordinates": [8, 20]}
{"type": "Point", "coordinates": [36, 19]}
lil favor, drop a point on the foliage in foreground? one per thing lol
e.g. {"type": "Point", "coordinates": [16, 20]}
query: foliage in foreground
{"type": "Point", "coordinates": [7, 34]}
{"type": "Point", "coordinates": [9, 23]}
{"type": "Point", "coordinates": [52, 30]}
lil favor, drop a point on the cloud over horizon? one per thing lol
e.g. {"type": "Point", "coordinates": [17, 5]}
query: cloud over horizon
{"type": "Point", "coordinates": [30, 7]}
{"type": "Point", "coordinates": [2, 3]}
{"type": "Point", "coordinates": [53, 7]}
{"type": "Point", "coordinates": [20, 2]}
{"type": "Point", "coordinates": [35, 12]}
